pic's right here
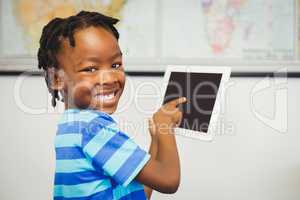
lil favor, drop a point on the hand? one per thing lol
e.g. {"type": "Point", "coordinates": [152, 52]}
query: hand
{"type": "Point", "coordinates": [168, 116]}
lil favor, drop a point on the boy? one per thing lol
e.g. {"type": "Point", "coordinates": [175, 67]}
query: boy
{"type": "Point", "coordinates": [94, 159]}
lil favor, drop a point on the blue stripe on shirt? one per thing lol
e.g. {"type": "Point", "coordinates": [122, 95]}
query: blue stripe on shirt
{"type": "Point", "coordinates": [95, 129]}
{"type": "Point", "coordinates": [71, 127]}
{"type": "Point", "coordinates": [98, 121]}
{"type": "Point", "coordinates": [119, 157]}
{"type": "Point", "coordinates": [97, 142]}
{"type": "Point", "coordinates": [129, 166]}
{"type": "Point", "coordinates": [108, 150]}
{"type": "Point", "coordinates": [122, 192]}
{"type": "Point", "coordinates": [81, 190]}
{"type": "Point", "coordinates": [106, 194]}
{"type": "Point", "coordinates": [78, 177]}
{"type": "Point", "coordinates": [140, 194]}
{"type": "Point", "coordinates": [102, 115]}
{"type": "Point", "coordinates": [137, 170]}
{"type": "Point", "coordinates": [92, 129]}
{"type": "Point", "coordinates": [63, 153]}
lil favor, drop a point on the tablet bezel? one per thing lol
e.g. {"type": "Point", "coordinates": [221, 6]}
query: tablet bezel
{"type": "Point", "coordinates": [225, 71]}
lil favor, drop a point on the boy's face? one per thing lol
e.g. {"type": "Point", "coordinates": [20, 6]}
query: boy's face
{"type": "Point", "coordinates": [93, 74]}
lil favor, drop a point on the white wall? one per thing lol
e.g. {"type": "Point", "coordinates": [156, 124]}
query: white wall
{"type": "Point", "coordinates": [252, 162]}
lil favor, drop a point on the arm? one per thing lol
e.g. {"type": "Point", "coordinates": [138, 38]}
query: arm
{"type": "Point", "coordinates": [163, 172]}
{"type": "Point", "coordinates": [152, 151]}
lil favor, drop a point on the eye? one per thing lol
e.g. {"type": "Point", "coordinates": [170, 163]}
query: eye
{"type": "Point", "coordinates": [116, 65]}
{"type": "Point", "coordinates": [89, 69]}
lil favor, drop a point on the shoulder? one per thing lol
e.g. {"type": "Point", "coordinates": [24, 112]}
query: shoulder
{"type": "Point", "coordinates": [99, 127]}
{"type": "Point", "coordinates": [85, 119]}
{"type": "Point", "coordinates": [98, 120]}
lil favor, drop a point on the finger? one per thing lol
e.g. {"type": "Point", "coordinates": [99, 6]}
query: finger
{"type": "Point", "coordinates": [177, 117]}
{"type": "Point", "coordinates": [169, 110]}
{"type": "Point", "coordinates": [177, 101]}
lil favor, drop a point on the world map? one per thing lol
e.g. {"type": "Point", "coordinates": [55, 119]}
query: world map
{"type": "Point", "coordinates": [234, 29]}
{"type": "Point", "coordinates": [220, 22]}
{"type": "Point", "coordinates": [34, 14]}
{"type": "Point", "coordinates": [224, 18]}
{"type": "Point", "coordinates": [168, 29]}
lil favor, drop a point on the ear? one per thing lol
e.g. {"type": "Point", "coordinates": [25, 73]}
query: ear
{"type": "Point", "coordinates": [55, 78]}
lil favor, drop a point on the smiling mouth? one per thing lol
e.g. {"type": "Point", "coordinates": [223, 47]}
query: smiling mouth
{"type": "Point", "coordinates": [106, 97]}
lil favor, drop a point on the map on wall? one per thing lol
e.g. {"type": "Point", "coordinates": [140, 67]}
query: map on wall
{"type": "Point", "coordinates": [244, 29]}
{"type": "Point", "coordinates": [32, 15]}
{"type": "Point", "coordinates": [24, 19]}
{"type": "Point", "coordinates": [168, 29]}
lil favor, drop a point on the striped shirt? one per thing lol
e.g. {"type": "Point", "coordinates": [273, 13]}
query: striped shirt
{"type": "Point", "coordinates": [95, 160]}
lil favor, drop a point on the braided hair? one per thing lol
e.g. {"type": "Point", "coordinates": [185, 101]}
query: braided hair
{"type": "Point", "coordinates": [64, 28]}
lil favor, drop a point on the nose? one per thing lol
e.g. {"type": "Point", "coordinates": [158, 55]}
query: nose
{"type": "Point", "coordinates": [106, 77]}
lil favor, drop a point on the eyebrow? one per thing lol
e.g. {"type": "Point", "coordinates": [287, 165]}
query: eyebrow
{"type": "Point", "coordinates": [116, 55]}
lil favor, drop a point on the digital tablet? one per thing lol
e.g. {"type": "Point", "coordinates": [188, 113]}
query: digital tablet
{"type": "Point", "coordinates": [204, 89]}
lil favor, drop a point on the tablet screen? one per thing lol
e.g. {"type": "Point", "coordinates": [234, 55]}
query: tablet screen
{"type": "Point", "coordinates": [201, 90]}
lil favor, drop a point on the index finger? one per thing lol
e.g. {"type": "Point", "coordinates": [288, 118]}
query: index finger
{"type": "Point", "coordinates": [177, 101]}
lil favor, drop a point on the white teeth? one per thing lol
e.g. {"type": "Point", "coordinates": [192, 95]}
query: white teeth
{"type": "Point", "coordinates": [105, 97]}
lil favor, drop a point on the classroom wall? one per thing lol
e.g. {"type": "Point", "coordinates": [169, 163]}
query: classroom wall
{"type": "Point", "coordinates": [254, 156]}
